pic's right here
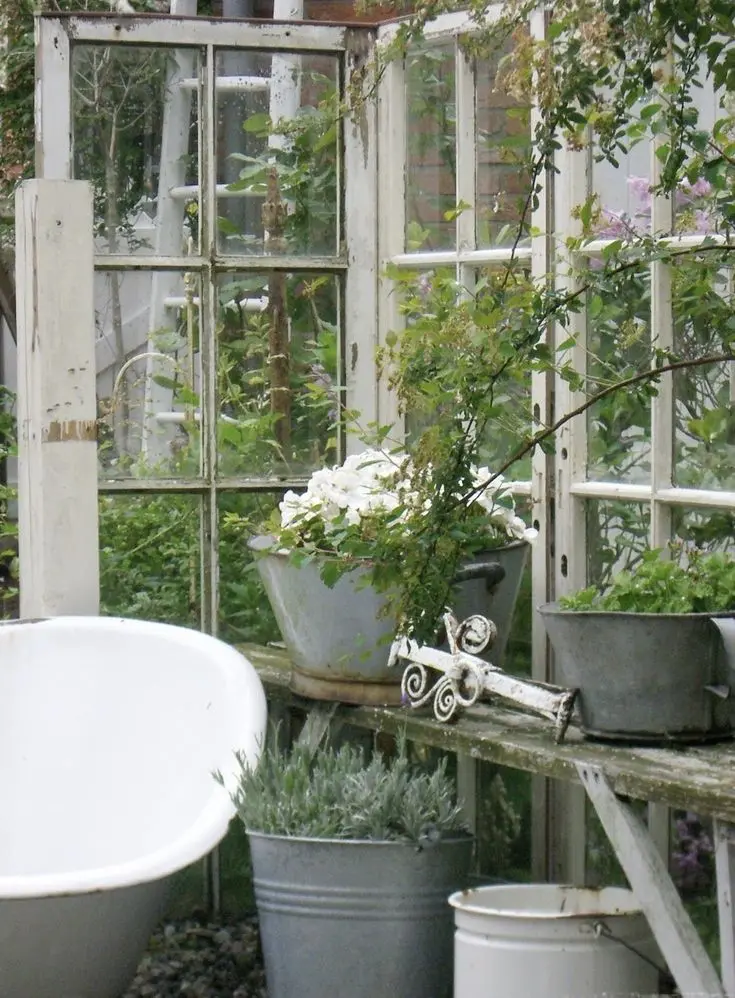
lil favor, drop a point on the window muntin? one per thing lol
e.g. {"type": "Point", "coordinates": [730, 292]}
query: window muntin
{"type": "Point", "coordinates": [185, 313]}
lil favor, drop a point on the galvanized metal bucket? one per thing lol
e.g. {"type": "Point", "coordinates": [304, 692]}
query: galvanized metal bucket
{"type": "Point", "coordinates": [364, 919]}
{"type": "Point", "coordinates": [496, 601]}
{"type": "Point", "coordinates": [525, 940]}
{"type": "Point", "coordinates": [646, 677]}
{"type": "Point", "coordinates": [338, 638]}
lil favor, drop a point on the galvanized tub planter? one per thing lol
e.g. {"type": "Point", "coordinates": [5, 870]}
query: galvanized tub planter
{"type": "Point", "coordinates": [480, 594]}
{"type": "Point", "coordinates": [339, 637]}
{"type": "Point", "coordinates": [364, 919]}
{"type": "Point", "coordinates": [647, 677]}
{"type": "Point", "coordinates": [550, 941]}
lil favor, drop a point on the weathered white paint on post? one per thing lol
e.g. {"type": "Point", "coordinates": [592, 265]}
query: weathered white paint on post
{"type": "Point", "coordinates": [57, 450]}
{"type": "Point", "coordinates": [52, 99]}
{"type": "Point", "coordinates": [648, 875]}
{"type": "Point", "coordinates": [361, 243]}
{"type": "Point", "coordinates": [724, 836]}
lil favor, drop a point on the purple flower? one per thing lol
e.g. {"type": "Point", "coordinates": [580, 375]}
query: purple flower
{"type": "Point", "coordinates": [641, 187]}
{"type": "Point", "coordinates": [424, 288]}
{"type": "Point", "coordinates": [322, 379]}
{"type": "Point", "coordinates": [702, 221]}
{"type": "Point", "coordinates": [615, 226]}
{"type": "Point", "coordinates": [701, 188]}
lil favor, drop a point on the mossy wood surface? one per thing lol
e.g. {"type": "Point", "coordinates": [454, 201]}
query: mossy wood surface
{"type": "Point", "coordinates": [699, 778]}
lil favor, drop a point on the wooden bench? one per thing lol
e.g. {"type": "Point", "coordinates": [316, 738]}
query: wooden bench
{"type": "Point", "coordinates": [700, 779]}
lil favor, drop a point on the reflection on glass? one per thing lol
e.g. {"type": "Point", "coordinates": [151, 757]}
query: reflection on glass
{"type": "Point", "coordinates": [277, 155]}
{"type": "Point", "coordinates": [503, 153]}
{"type": "Point", "coordinates": [134, 121]}
{"type": "Point", "coordinates": [618, 346]}
{"type": "Point", "coordinates": [431, 124]}
{"type": "Point", "coordinates": [449, 349]}
{"type": "Point", "coordinates": [507, 394]}
{"type": "Point", "coordinates": [696, 208]}
{"type": "Point", "coordinates": [704, 397]}
{"type": "Point", "coordinates": [148, 374]}
{"type": "Point", "coordinates": [149, 557]}
{"type": "Point", "coordinates": [503, 823]}
{"type": "Point", "coordinates": [708, 529]}
{"type": "Point", "coordinates": [244, 611]}
{"type": "Point", "coordinates": [278, 373]}
{"type": "Point", "coordinates": [602, 868]}
{"type": "Point", "coordinates": [617, 536]}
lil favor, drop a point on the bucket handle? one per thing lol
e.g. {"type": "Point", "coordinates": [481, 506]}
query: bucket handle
{"type": "Point", "coordinates": [726, 627]}
{"type": "Point", "coordinates": [603, 930]}
{"type": "Point", "coordinates": [491, 571]}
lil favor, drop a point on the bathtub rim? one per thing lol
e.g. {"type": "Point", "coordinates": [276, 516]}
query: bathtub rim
{"type": "Point", "coordinates": [212, 823]}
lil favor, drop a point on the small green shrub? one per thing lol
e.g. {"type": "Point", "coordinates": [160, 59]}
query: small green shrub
{"type": "Point", "coordinates": [704, 583]}
{"type": "Point", "coordinates": [336, 794]}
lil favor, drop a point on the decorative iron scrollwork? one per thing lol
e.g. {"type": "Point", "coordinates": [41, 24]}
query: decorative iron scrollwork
{"type": "Point", "coordinates": [463, 678]}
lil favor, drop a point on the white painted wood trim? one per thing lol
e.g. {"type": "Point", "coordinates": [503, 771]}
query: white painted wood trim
{"type": "Point", "coordinates": [391, 172]}
{"type": "Point", "coordinates": [360, 130]}
{"type": "Point", "coordinates": [476, 257]}
{"type": "Point", "coordinates": [53, 101]}
{"type": "Point", "coordinates": [648, 875]}
{"type": "Point", "coordinates": [724, 841]}
{"type": "Point", "coordinates": [57, 406]}
{"type": "Point", "coordinates": [675, 496]}
{"type": "Point", "coordinates": [570, 569]}
{"type": "Point", "coordinates": [444, 26]}
{"type": "Point", "coordinates": [182, 31]}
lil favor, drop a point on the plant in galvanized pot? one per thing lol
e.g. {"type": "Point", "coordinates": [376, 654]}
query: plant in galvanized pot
{"type": "Point", "coordinates": [353, 864]}
{"type": "Point", "coordinates": [653, 656]}
{"type": "Point", "coordinates": [334, 567]}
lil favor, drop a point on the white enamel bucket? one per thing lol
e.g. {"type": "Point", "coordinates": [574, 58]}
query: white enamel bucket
{"type": "Point", "coordinates": [549, 941]}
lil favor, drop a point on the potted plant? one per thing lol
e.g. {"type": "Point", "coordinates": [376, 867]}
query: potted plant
{"type": "Point", "coordinates": [653, 656]}
{"type": "Point", "coordinates": [337, 569]}
{"type": "Point", "coordinates": [353, 864]}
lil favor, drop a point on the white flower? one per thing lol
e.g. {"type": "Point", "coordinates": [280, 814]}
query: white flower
{"type": "Point", "coordinates": [374, 483]}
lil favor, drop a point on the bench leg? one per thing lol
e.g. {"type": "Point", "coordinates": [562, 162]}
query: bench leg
{"type": "Point", "coordinates": [648, 876]}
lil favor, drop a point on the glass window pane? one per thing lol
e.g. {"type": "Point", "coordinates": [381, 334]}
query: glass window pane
{"type": "Point", "coordinates": [709, 529]}
{"type": "Point", "coordinates": [503, 151]}
{"type": "Point", "coordinates": [431, 127]}
{"type": "Point", "coordinates": [244, 610]}
{"type": "Point", "coordinates": [148, 374]}
{"type": "Point", "coordinates": [149, 557]}
{"type": "Point", "coordinates": [695, 205]}
{"type": "Point", "coordinates": [277, 154]}
{"type": "Point", "coordinates": [617, 536]}
{"type": "Point", "coordinates": [704, 397]}
{"type": "Point", "coordinates": [279, 370]}
{"type": "Point", "coordinates": [134, 121]}
{"type": "Point", "coordinates": [503, 824]}
{"type": "Point", "coordinates": [618, 346]}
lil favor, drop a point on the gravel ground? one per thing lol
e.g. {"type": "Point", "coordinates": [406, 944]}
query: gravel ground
{"type": "Point", "coordinates": [202, 960]}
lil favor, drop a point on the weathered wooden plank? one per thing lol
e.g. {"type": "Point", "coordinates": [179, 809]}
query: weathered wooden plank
{"type": "Point", "coordinates": [648, 875]}
{"type": "Point", "coordinates": [724, 836]}
{"type": "Point", "coordinates": [57, 410]}
{"type": "Point", "coordinates": [320, 718]}
{"type": "Point", "coordinates": [700, 778]}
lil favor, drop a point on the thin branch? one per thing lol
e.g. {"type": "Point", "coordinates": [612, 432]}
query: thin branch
{"type": "Point", "coordinates": [537, 438]}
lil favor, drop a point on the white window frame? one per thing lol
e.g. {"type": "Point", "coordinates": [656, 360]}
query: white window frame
{"type": "Point", "coordinates": [355, 261]}
{"type": "Point", "coordinates": [466, 257]}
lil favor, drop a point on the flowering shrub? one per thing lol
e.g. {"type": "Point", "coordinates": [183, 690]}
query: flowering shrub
{"type": "Point", "coordinates": [692, 201]}
{"type": "Point", "coordinates": [692, 858]}
{"type": "Point", "coordinates": [345, 508]}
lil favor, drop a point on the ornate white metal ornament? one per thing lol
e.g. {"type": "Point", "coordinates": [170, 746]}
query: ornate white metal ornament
{"type": "Point", "coordinates": [464, 677]}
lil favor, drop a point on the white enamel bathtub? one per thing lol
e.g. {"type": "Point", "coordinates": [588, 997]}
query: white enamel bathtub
{"type": "Point", "coordinates": [110, 731]}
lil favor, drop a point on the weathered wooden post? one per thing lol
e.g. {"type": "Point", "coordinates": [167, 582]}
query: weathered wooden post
{"type": "Point", "coordinates": [57, 408]}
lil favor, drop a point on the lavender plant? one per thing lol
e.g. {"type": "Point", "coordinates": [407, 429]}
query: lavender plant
{"type": "Point", "coordinates": [337, 794]}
